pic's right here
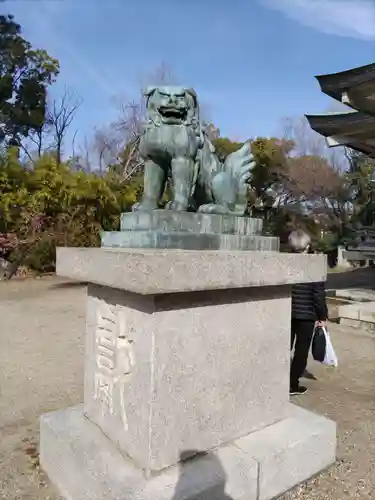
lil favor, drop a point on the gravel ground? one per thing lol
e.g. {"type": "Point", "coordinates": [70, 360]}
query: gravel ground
{"type": "Point", "coordinates": [41, 369]}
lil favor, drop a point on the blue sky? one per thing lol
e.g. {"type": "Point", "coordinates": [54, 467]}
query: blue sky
{"type": "Point", "coordinates": [252, 62]}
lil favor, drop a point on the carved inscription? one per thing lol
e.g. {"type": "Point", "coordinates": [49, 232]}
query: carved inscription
{"type": "Point", "coordinates": [125, 363]}
{"type": "Point", "coordinates": [114, 359]}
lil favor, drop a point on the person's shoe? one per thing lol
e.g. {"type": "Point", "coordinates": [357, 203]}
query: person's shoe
{"type": "Point", "coordinates": [308, 375]}
{"type": "Point", "coordinates": [298, 391]}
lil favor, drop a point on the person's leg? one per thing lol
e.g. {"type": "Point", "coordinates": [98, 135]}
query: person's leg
{"type": "Point", "coordinates": [292, 335]}
{"type": "Point", "coordinates": [308, 375]}
{"type": "Point", "coordinates": [304, 332]}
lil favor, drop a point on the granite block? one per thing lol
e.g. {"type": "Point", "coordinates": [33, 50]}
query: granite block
{"type": "Point", "coordinates": [187, 241]}
{"type": "Point", "coordinates": [367, 312]}
{"type": "Point", "coordinates": [85, 465]}
{"type": "Point", "coordinates": [355, 294]}
{"type": "Point", "coordinates": [362, 325]}
{"type": "Point", "coordinates": [185, 371]}
{"type": "Point", "coordinates": [150, 272]}
{"type": "Point", "coordinates": [191, 222]}
{"type": "Point", "coordinates": [360, 311]}
{"type": "Point", "coordinates": [291, 451]}
{"type": "Point", "coordinates": [349, 311]}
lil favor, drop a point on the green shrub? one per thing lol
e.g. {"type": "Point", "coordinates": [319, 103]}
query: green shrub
{"type": "Point", "coordinates": [51, 205]}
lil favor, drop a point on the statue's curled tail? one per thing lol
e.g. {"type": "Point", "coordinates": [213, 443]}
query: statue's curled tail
{"type": "Point", "coordinates": [229, 184]}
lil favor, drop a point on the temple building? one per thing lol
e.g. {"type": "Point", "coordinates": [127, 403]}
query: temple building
{"type": "Point", "coordinates": [354, 128]}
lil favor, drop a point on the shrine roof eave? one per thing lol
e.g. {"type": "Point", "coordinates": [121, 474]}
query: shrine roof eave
{"type": "Point", "coordinates": [354, 88]}
{"type": "Point", "coordinates": [340, 137]}
{"type": "Point", "coordinates": [352, 122]}
{"type": "Point", "coordinates": [336, 84]}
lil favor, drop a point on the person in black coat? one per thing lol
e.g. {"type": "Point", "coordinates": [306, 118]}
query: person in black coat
{"type": "Point", "coordinates": [309, 307]}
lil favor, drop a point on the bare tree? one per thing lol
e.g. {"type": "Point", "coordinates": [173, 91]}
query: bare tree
{"type": "Point", "coordinates": [321, 188]}
{"type": "Point", "coordinates": [82, 155]}
{"type": "Point", "coordinates": [308, 142]}
{"type": "Point", "coordinates": [161, 75]}
{"type": "Point", "coordinates": [106, 146]}
{"type": "Point", "coordinates": [60, 116]}
{"type": "Point", "coordinates": [117, 144]}
{"type": "Point", "coordinates": [129, 128]}
{"type": "Point", "coordinates": [38, 142]}
{"type": "Point", "coordinates": [315, 177]}
{"type": "Point", "coordinates": [51, 135]}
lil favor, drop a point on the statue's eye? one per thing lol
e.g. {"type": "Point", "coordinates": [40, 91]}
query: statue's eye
{"type": "Point", "coordinates": [163, 94]}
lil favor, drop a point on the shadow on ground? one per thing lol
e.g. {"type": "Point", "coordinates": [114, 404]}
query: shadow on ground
{"type": "Point", "coordinates": [68, 285]}
{"type": "Point", "coordinates": [188, 472]}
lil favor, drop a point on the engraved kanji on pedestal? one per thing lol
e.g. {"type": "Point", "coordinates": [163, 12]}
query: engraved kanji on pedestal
{"type": "Point", "coordinates": [114, 359]}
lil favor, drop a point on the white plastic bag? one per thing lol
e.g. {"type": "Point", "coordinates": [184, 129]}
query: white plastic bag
{"type": "Point", "coordinates": [330, 357]}
{"type": "Point", "coordinates": [322, 348]}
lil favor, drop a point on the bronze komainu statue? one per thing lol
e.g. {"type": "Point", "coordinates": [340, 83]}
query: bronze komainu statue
{"type": "Point", "coordinates": [174, 145]}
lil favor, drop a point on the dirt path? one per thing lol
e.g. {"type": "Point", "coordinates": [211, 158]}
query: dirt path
{"type": "Point", "coordinates": [41, 369]}
{"type": "Point", "coordinates": [41, 365]}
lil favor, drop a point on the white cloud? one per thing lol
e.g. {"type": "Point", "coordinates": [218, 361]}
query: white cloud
{"type": "Point", "coordinates": [349, 18]}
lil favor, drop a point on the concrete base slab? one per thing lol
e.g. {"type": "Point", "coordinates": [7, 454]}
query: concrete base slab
{"type": "Point", "coordinates": [358, 314]}
{"type": "Point", "coordinates": [357, 324]}
{"type": "Point", "coordinates": [356, 295]}
{"type": "Point", "coordinates": [85, 465]}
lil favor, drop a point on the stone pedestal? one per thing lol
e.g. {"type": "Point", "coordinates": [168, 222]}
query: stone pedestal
{"type": "Point", "coordinates": [189, 231]}
{"type": "Point", "coordinates": [189, 375]}
{"type": "Point", "coordinates": [187, 356]}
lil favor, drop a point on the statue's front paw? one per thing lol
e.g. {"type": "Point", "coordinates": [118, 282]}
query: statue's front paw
{"type": "Point", "coordinates": [177, 206]}
{"type": "Point", "coordinates": [145, 206]}
{"type": "Point", "coordinates": [212, 208]}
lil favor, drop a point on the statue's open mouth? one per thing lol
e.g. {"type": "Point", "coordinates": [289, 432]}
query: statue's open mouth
{"type": "Point", "coordinates": [173, 113]}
